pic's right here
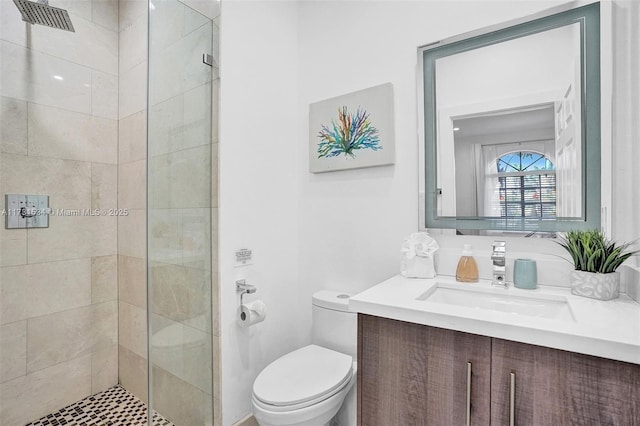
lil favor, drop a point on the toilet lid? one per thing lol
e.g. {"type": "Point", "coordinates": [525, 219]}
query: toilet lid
{"type": "Point", "coordinates": [303, 375]}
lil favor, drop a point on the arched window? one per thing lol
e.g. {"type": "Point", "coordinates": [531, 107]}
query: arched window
{"type": "Point", "coordinates": [527, 185]}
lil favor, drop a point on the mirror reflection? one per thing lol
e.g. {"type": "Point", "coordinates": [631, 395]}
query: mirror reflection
{"type": "Point", "coordinates": [509, 128]}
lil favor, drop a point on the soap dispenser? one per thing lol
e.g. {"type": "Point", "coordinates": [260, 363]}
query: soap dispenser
{"type": "Point", "coordinates": [467, 271]}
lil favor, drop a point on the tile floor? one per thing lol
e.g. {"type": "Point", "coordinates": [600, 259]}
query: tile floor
{"type": "Point", "coordinates": [113, 407]}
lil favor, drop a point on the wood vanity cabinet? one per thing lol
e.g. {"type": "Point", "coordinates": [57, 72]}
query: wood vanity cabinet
{"type": "Point", "coordinates": [411, 374]}
{"type": "Point", "coordinates": [555, 387]}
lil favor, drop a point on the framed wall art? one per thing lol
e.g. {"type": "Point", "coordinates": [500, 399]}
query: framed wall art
{"type": "Point", "coordinates": [352, 131]}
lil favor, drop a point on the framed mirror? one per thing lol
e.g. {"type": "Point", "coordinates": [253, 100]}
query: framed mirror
{"type": "Point", "coordinates": [512, 126]}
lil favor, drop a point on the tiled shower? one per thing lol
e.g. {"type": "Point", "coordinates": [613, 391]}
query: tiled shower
{"type": "Point", "coordinates": [116, 123]}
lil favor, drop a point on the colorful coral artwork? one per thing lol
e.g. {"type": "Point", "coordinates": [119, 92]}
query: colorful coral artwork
{"type": "Point", "coordinates": [347, 134]}
{"type": "Point", "coordinates": [352, 131]}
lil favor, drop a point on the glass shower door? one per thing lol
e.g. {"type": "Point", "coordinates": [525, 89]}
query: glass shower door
{"type": "Point", "coordinates": [179, 231]}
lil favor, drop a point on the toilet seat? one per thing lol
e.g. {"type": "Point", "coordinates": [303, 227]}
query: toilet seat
{"type": "Point", "coordinates": [302, 378]}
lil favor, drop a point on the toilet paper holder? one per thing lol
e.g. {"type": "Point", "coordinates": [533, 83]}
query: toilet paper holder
{"type": "Point", "coordinates": [243, 288]}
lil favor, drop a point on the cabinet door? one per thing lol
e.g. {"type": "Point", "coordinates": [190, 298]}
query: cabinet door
{"type": "Point", "coordinates": [554, 387]}
{"type": "Point", "coordinates": [410, 374]}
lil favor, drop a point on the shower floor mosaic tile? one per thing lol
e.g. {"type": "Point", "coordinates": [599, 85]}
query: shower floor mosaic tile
{"type": "Point", "coordinates": [113, 407]}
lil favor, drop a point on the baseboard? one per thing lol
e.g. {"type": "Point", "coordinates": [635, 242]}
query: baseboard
{"type": "Point", "coordinates": [247, 421]}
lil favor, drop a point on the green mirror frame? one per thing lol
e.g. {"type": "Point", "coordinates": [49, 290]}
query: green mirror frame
{"type": "Point", "coordinates": [589, 19]}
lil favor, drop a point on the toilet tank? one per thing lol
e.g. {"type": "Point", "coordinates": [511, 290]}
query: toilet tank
{"type": "Point", "coordinates": [334, 326]}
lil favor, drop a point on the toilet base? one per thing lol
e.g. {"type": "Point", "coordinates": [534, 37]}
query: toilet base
{"type": "Point", "coordinates": [319, 414]}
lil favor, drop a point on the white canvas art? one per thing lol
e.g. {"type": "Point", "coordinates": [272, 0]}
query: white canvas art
{"type": "Point", "coordinates": [352, 131]}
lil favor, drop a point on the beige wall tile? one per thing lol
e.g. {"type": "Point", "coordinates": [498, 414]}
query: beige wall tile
{"type": "Point", "coordinates": [182, 351]}
{"type": "Point", "coordinates": [104, 94]}
{"type": "Point", "coordinates": [165, 240]}
{"type": "Point", "coordinates": [176, 71]}
{"type": "Point", "coordinates": [181, 294]}
{"type": "Point", "coordinates": [193, 20]}
{"type": "Point", "coordinates": [68, 183]}
{"type": "Point", "coordinates": [132, 372]}
{"type": "Point", "coordinates": [198, 359]}
{"type": "Point", "coordinates": [132, 190]}
{"type": "Point", "coordinates": [27, 74]}
{"type": "Point", "coordinates": [104, 325]}
{"type": "Point", "coordinates": [197, 116]}
{"type": "Point", "coordinates": [191, 178]}
{"type": "Point", "coordinates": [131, 11]}
{"type": "Point", "coordinates": [132, 284]}
{"type": "Point", "coordinates": [181, 122]}
{"type": "Point", "coordinates": [30, 397]}
{"type": "Point", "coordinates": [104, 278]}
{"type": "Point", "coordinates": [105, 13]}
{"type": "Point", "coordinates": [166, 126]}
{"type": "Point", "coordinates": [211, 9]}
{"type": "Point", "coordinates": [133, 45]}
{"type": "Point", "coordinates": [168, 15]}
{"type": "Point", "coordinates": [185, 404]}
{"type": "Point", "coordinates": [181, 179]}
{"type": "Point", "coordinates": [13, 295]}
{"type": "Point", "coordinates": [90, 45]}
{"type": "Point", "coordinates": [132, 237]}
{"type": "Point", "coordinates": [39, 289]}
{"type": "Point", "coordinates": [13, 356]}
{"type": "Point", "coordinates": [63, 336]}
{"type": "Point", "coordinates": [103, 235]}
{"type": "Point", "coordinates": [104, 186]}
{"type": "Point", "coordinates": [132, 87]}
{"type": "Point", "coordinates": [132, 137]}
{"type": "Point", "coordinates": [66, 238]}
{"type": "Point", "coordinates": [13, 251]}
{"type": "Point", "coordinates": [73, 237]}
{"type": "Point", "coordinates": [159, 182]}
{"type": "Point", "coordinates": [57, 286]}
{"type": "Point", "coordinates": [132, 329]}
{"type": "Point", "coordinates": [58, 133]}
{"type": "Point", "coordinates": [104, 369]}
{"type": "Point", "coordinates": [167, 345]}
{"type": "Point", "coordinates": [13, 132]}
{"type": "Point", "coordinates": [196, 238]}
{"type": "Point", "coordinates": [57, 338]}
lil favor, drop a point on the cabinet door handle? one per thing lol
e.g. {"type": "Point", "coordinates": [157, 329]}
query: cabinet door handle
{"type": "Point", "coordinates": [512, 400]}
{"type": "Point", "coordinates": [468, 393]}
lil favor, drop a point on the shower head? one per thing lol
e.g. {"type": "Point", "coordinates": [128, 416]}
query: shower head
{"type": "Point", "coordinates": [42, 14]}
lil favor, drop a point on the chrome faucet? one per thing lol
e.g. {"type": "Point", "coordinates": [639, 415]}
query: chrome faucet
{"type": "Point", "coordinates": [499, 260]}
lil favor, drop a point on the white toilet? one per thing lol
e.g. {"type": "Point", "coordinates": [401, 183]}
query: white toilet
{"type": "Point", "coordinates": [308, 386]}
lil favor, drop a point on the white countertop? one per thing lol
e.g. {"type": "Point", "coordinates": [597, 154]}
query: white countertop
{"type": "Point", "coordinates": [609, 329]}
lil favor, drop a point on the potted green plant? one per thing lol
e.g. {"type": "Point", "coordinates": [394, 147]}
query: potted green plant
{"type": "Point", "coordinates": [595, 259]}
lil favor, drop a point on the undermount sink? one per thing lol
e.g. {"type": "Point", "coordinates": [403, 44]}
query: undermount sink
{"type": "Point", "coordinates": [465, 295]}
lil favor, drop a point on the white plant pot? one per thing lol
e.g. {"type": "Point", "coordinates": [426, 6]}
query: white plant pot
{"type": "Point", "coordinates": [595, 286]}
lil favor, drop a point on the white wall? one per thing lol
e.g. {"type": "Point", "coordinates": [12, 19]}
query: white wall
{"type": "Point", "coordinates": [626, 131]}
{"type": "Point", "coordinates": [258, 190]}
{"type": "Point", "coordinates": [352, 223]}
{"type": "Point", "coordinates": [334, 230]}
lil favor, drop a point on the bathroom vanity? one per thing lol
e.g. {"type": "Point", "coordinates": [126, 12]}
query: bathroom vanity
{"type": "Point", "coordinates": [424, 359]}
